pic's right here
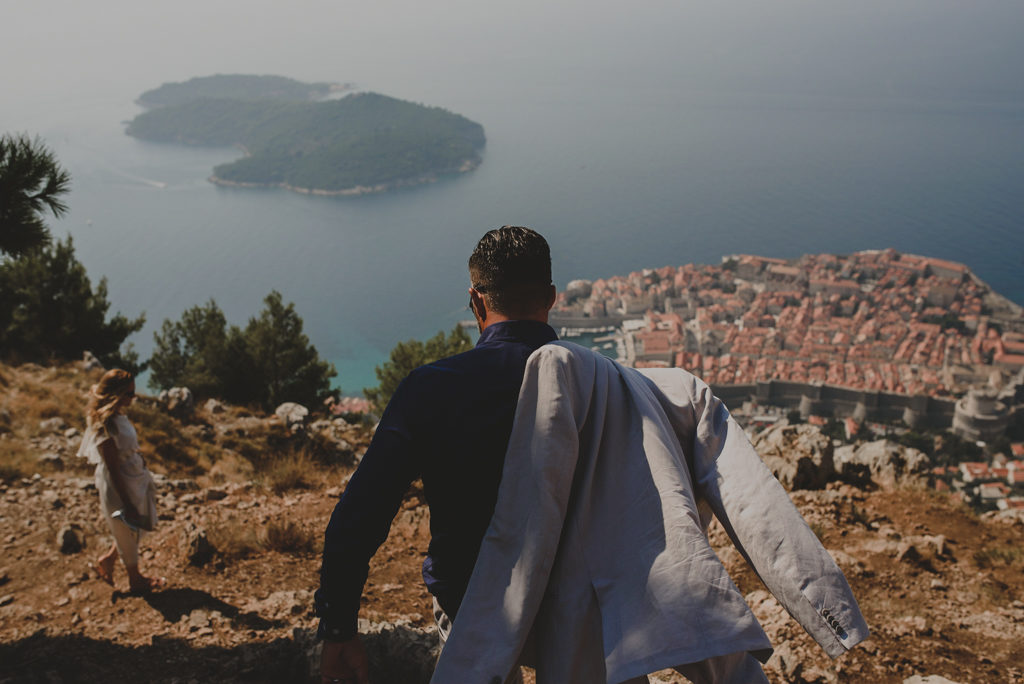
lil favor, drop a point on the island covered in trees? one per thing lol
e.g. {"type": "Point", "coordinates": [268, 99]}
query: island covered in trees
{"type": "Point", "coordinates": [302, 137]}
{"type": "Point", "coordinates": [238, 87]}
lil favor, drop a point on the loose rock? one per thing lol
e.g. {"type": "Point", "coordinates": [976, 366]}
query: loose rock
{"type": "Point", "coordinates": [196, 547]}
{"type": "Point", "coordinates": [69, 540]}
{"type": "Point", "coordinates": [889, 464]}
{"type": "Point", "coordinates": [52, 425]}
{"type": "Point", "coordinates": [294, 416]}
{"type": "Point", "coordinates": [52, 460]}
{"type": "Point", "coordinates": [177, 401]}
{"type": "Point", "coordinates": [799, 456]}
{"type": "Point", "coordinates": [90, 362]}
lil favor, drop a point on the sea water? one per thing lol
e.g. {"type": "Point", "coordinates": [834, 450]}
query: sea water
{"type": "Point", "coordinates": [616, 185]}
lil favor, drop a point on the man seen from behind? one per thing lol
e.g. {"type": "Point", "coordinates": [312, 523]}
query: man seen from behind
{"type": "Point", "coordinates": [448, 423]}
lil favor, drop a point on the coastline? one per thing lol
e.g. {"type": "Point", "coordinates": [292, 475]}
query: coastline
{"type": "Point", "coordinates": [466, 166]}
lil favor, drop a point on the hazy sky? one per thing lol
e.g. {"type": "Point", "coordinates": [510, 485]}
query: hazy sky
{"type": "Point", "coordinates": [783, 125]}
{"type": "Point", "coordinates": [917, 48]}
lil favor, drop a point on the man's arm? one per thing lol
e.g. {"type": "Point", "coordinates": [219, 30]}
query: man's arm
{"type": "Point", "coordinates": [358, 526]}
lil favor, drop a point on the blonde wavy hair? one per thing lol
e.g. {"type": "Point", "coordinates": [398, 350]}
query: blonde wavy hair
{"type": "Point", "coordinates": [106, 395]}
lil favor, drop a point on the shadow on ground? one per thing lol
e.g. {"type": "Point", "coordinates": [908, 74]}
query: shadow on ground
{"type": "Point", "coordinates": [398, 655]}
{"type": "Point", "coordinates": [70, 658]}
{"type": "Point", "coordinates": [174, 604]}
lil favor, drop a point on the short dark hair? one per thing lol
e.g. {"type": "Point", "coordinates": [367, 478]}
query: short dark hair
{"type": "Point", "coordinates": [511, 267]}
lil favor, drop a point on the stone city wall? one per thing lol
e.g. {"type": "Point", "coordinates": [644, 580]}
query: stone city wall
{"type": "Point", "coordinates": [841, 402]}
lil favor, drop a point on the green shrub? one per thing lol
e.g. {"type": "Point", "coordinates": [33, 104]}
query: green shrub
{"type": "Point", "coordinates": [269, 362]}
{"type": "Point", "coordinates": [50, 310]}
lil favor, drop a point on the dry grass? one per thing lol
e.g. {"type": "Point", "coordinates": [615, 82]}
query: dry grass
{"type": "Point", "coordinates": [288, 536]}
{"type": "Point", "coordinates": [994, 556]}
{"type": "Point", "coordinates": [291, 470]}
{"type": "Point", "coordinates": [257, 444]}
{"type": "Point", "coordinates": [16, 461]}
{"type": "Point", "coordinates": [251, 448]}
{"type": "Point", "coordinates": [228, 466]}
{"type": "Point", "coordinates": [999, 593]}
{"type": "Point", "coordinates": [33, 393]}
{"type": "Point", "coordinates": [163, 442]}
{"type": "Point", "coordinates": [235, 540]}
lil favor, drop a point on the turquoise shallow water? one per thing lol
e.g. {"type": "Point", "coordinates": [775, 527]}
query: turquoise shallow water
{"type": "Point", "coordinates": [617, 181]}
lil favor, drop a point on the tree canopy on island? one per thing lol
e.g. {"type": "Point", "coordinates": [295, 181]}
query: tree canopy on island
{"type": "Point", "coordinates": [234, 86]}
{"type": "Point", "coordinates": [363, 140]}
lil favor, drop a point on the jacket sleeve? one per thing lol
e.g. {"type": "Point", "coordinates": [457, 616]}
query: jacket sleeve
{"type": "Point", "coordinates": [518, 551]}
{"type": "Point", "coordinates": [758, 515]}
{"type": "Point", "coordinates": [362, 519]}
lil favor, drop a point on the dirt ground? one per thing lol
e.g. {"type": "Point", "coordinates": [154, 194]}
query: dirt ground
{"type": "Point", "coordinates": [249, 618]}
{"type": "Point", "coordinates": [942, 588]}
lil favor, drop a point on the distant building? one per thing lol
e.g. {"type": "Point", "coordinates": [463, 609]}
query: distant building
{"type": "Point", "coordinates": [980, 416]}
{"type": "Point", "coordinates": [973, 471]}
{"type": "Point", "coordinates": [1010, 502]}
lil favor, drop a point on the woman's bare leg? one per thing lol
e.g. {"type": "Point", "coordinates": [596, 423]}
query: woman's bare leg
{"type": "Point", "coordinates": [105, 565]}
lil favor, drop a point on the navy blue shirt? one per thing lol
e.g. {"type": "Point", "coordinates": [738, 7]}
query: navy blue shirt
{"type": "Point", "coordinates": [448, 423]}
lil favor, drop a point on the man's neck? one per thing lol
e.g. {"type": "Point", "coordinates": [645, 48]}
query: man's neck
{"type": "Point", "coordinates": [494, 317]}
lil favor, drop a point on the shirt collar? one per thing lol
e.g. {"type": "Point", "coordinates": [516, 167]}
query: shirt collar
{"type": "Point", "coordinates": [528, 332]}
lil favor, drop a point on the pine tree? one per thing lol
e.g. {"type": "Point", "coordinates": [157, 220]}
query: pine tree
{"type": "Point", "coordinates": [269, 362]}
{"type": "Point", "coordinates": [288, 366]}
{"type": "Point", "coordinates": [49, 309]}
{"type": "Point", "coordinates": [31, 181]}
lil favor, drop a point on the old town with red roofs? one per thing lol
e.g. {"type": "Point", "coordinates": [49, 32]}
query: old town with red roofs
{"type": "Point", "coordinates": [876, 320]}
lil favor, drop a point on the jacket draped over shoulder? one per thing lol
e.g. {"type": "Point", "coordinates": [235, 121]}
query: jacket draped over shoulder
{"type": "Point", "coordinates": [597, 554]}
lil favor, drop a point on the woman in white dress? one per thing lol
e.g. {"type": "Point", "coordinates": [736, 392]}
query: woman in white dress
{"type": "Point", "coordinates": [127, 494]}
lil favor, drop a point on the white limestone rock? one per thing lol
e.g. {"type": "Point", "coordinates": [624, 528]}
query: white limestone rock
{"type": "Point", "coordinates": [177, 401]}
{"type": "Point", "coordinates": [889, 464]}
{"type": "Point", "coordinates": [293, 415]}
{"type": "Point", "coordinates": [799, 456]}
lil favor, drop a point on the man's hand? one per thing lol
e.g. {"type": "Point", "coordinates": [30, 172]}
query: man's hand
{"type": "Point", "coordinates": [344, 662]}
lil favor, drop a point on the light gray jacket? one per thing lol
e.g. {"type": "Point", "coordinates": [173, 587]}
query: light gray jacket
{"type": "Point", "coordinates": [598, 548]}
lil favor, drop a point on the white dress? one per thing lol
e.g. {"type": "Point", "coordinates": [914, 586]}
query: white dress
{"type": "Point", "coordinates": [138, 480]}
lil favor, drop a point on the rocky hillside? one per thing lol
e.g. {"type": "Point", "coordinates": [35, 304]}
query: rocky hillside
{"type": "Point", "coordinates": [244, 498]}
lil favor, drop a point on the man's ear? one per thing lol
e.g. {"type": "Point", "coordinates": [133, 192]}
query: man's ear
{"type": "Point", "coordinates": [552, 294]}
{"type": "Point", "coordinates": [478, 305]}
